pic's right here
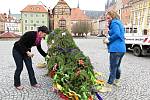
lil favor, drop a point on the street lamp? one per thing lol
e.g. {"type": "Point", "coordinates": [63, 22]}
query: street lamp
{"type": "Point", "coordinates": [49, 15]}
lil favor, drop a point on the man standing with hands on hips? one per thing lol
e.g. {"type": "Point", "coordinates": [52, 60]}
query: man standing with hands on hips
{"type": "Point", "coordinates": [22, 52]}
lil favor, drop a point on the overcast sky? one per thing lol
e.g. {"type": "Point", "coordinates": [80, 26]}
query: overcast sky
{"type": "Point", "coordinates": [16, 6]}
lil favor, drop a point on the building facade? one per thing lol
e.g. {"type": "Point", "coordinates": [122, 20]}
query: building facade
{"type": "Point", "coordinates": [134, 13]}
{"type": "Point", "coordinates": [126, 12]}
{"type": "Point", "coordinates": [140, 15]}
{"type": "Point", "coordinates": [33, 16]}
{"type": "Point", "coordinates": [65, 17]}
{"type": "Point", "coordinates": [2, 22]}
{"type": "Point", "coordinates": [118, 8]}
{"type": "Point", "coordinates": [2, 27]}
{"type": "Point", "coordinates": [12, 27]}
{"type": "Point", "coordinates": [103, 27]}
{"type": "Point", "coordinates": [78, 16]}
{"type": "Point", "coordinates": [9, 24]}
{"type": "Point", "coordinates": [62, 16]}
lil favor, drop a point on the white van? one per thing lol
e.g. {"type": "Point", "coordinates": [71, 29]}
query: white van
{"type": "Point", "coordinates": [139, 42]}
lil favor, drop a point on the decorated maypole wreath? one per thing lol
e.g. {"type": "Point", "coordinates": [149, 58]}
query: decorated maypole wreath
{"type": "Point", "coordinates": [71, 71]}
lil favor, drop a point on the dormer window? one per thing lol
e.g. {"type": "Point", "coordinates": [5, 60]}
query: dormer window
{"type": "Point", "coordinates": [32, 8]}
{"type": "Point", "coordinates": [37, 8]}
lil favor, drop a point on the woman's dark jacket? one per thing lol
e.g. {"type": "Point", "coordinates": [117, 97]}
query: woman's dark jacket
{"type": "Point", "coordinates": [25, 43]}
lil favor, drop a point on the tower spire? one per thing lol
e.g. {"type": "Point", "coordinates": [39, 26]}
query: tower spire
{"type": "Point", "coordinates": [9, 12]}
{"type": "Point", "coordinates": [108, 4]}
{"type": "Point", "coordinates": [78, 4]}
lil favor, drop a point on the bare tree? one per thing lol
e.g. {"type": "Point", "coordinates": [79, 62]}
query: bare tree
{"type": "Point", "coordinates": [81, 28]}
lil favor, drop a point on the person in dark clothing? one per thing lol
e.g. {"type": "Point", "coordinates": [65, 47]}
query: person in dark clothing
{"type": "Point", "coordinates": [22, 52]}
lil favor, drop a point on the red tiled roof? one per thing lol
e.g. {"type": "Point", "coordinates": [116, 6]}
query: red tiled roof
{"type": "Point", "coordinates": [77, 14]}
{"type": "Point", "coordinates": [61, 3]}
{"type": "Point", "coordinates": [125, 2]}
{"type": "Point", "coordinates": [4, 17]}
{"type": "Point", "coordinates": [9, 35]}
{"type": "Point", "coordinates": [34, 8]}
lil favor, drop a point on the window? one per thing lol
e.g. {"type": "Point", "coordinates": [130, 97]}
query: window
{"type": "Point", "coordinates": [37, 15]}
{"type": "Point", "coordinates": [43, 22]}
{"type": "Point", "coordinates": [66, 11]}
{"type": "Point", "coordinates": [130, 30]}
{"type": "Point", "coordinates": [31, 28]}
{"type": "Point", "coordinates": [37, 8]}
{"type": "Point", "coordinates": [127, 30]}
{"type": "Point", "coordinates": [42, 15]}
{"type": "Point", "coordinates": [134, 30]}
{"type": "Point", "coordinates": [145, 4]}
{"type": "Point", "coordinates": [26, 28]}
{"type": "Point", "coordinates": [60, 11]}
{"type": "Point", "coordinates": [25, 15]}
{"type": "Point", "coordinates": [55, 11]}
{"type": "Point", "coordinates": [31, 8]}
{"type": "Point", "coordinates": [37, 21]}
{"type": "Point", "coordinates": [145, 31]}
{"type": "Point", "coordinates": [148, 20]}
{"type": "Point", "coordinates": [62, 24]}
{"type": "Point", "coordinates": [119, 11]}
{"type": "Point", "coordinates": [26, 21]}
{"type": "Point", "coordinates": [31, 15]}
{"type": "Point", "coordinates": [31, 21]}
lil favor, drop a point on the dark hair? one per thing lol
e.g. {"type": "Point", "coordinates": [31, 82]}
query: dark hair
{"type": "Point", "coordinates": [43, 29]}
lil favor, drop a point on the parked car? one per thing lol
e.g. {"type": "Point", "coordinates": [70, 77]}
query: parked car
{"type": "Point", "coordinates": [100, 35]}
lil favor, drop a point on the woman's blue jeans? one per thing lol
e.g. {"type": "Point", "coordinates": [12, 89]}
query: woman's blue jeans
{"type": "Point", "coordinates": [115, 60]}
{"type": "Point", "coordinates": [19, 67]}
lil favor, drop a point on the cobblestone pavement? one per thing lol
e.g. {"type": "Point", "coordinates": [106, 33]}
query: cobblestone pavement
{"type": "Point", "coordinates": [135, 77]}
{"type": "Point", "coordinates": [7, 68]}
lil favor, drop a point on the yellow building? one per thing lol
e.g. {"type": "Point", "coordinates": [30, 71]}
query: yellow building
{"type": "Point", "coordinates": [148, 17]}
{"type": "Point", "coordinates": [140, 15]}
{"type": "Point", "coordinates": [2, 22]}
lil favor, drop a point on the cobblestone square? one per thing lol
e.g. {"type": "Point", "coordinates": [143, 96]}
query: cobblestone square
{"type": "Point", "coordinates": [135, 77]}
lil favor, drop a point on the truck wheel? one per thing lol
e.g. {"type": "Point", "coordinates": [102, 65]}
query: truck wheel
{"type": "Point", "coordinates": [137, 51]}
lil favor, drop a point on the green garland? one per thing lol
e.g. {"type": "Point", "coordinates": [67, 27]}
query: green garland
{"type": "Point", "coordinates": [73, 71]}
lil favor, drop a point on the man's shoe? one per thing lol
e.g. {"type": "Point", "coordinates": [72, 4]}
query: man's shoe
{"type": "Point", "coordinates": [19, 87]}
{"type": "Point", "coordinates": [107, 88]}
{"type": "Point", "coordinates": [116, 82]}
{"type": "Point", "coordinates": [37, 85]}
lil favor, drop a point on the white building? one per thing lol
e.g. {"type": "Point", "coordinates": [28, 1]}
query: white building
{"type": "Point", "coordinates": [12, 27]}
{"type": "Point", "coordinates": [102, 26]}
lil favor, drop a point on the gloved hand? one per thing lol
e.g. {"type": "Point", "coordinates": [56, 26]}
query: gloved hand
{"type": "Point", "coordinates": [106, 40]}
{"type": "Point", "coordinates": [47, 57]}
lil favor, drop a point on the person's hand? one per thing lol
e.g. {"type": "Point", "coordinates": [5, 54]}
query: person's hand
{"type": "Point", "coordinates": [105, 40]}
{"type": "Point", "coordinates": [30, 54]}
{"type": "Point", "coordinates": [47, 57]}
